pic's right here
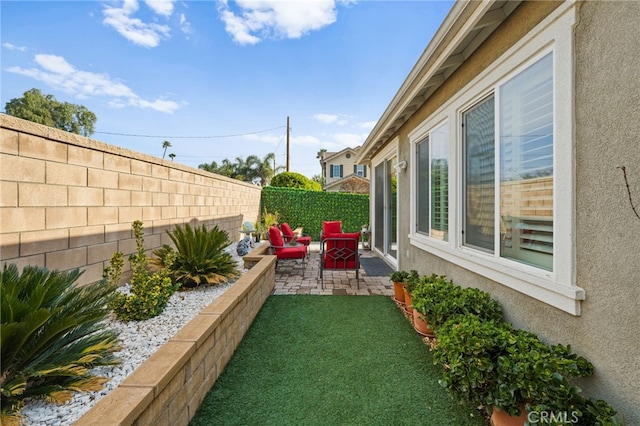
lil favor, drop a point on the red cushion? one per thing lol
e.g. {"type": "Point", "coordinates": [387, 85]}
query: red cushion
{"type": "Point", "coordinates": [341, 254]}
{"type": "Point", "coordinates": [292, 252]}
{"type": "Point", "coordinates": [332, 227]}
{"type": "Point", "coordinates": [303, 240]}
{"type": "Point", "coordinates": [286, 229]}
{"type": "Point", "coordinates": [275, 237]}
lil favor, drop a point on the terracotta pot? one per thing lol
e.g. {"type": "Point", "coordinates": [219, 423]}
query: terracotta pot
{"type": "Point", "coordinates": [398, 292]}
{"type": "Point", "coordinates": [407, 302]}
{"type": "Point", "coordinates": [502, 418]}
{"type": "Point", "coordinates": [420, 324]}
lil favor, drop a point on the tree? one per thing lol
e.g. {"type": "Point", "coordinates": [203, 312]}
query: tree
{"type": "Point", "coordinates": [165, 145]}
{"type": "Point", "coordinates": [172, 156]}
{"type": "Point", "coordinates": [250, 170]}
{"type": "Point", "coordinates": [319, 179]}
{"type": "Point", "coordinates": [295, 180]}
{"type": "Point", "coordinates": [45, 109]}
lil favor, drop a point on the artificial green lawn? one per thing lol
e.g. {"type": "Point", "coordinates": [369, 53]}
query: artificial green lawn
{"type": "Point", "coordinates": [331, 360]}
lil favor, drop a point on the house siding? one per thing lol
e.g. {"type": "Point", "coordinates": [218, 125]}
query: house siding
{"type": "Point", "coordinates": [607, 99]}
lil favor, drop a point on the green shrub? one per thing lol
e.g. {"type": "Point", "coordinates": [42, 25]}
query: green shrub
{"type": "Point", "coordinates": [295, 180]}
{"type": "Point", "coordinates": [200, 257]}
{"type": "Point", "coordinates": [149, 292]}
{"type": "Point", "coordinates": [307, 209]}
{"type": "Point", "coordinates": [113, 272]}
{"type": "Point", "coordinates": [438, 299]}
{"type": "Point", "coordinates": [490, 363]}
{"type": "Point", "coordinates": [52, 333]}
{"type": "Point", "coordinates": [398, 276]}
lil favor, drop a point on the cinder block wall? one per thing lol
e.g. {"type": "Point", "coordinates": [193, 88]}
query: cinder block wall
{"type": "Point", "coordinates": [67, 201]}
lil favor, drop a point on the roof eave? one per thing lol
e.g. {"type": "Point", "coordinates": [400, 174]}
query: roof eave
{"type": "Point", "coordinates": [467, 23]}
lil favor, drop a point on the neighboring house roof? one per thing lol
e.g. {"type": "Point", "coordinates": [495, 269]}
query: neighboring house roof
{"type": "Point", "coordinates": [466, 27]}
{"type": "Point", "coordinates": [330, 155]}
{"type": "Point", "coordinates": [335, 185]}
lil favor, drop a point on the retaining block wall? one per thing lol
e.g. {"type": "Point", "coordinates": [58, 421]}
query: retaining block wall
{"type": "Point", "coordinates": [170, 386]}
{"type": "Point", "coordinates": [67, 201]}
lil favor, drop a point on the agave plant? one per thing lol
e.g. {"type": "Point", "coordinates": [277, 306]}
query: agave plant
{"type": "Point", "coordinates": [201, 258]}
{"type": "Point", "coordinates": [52, 334]}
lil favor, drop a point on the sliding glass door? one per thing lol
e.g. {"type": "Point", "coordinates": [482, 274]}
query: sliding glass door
{"type": "Point", "coordinates": [385, 211]}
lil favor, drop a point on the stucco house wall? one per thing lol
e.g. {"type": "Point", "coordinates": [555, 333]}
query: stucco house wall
{"type": "Point", "coordinates": [68, 202]}
{"type": "Point", "coordinates": [606, 234]}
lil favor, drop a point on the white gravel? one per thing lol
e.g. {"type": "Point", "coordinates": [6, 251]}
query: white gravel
{"type": "Point", "coordinates": [140, 339]}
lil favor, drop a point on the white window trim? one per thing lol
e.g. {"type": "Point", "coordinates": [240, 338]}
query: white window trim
{"type": "Point", "coordinates": [557, 288]}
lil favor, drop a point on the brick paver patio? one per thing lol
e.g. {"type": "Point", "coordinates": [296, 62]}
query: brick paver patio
{"type": "Point", "coordinates": [295, 277]}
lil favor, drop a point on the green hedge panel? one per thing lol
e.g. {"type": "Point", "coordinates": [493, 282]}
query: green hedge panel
{"type": "Point", "coordinates": [300, 207]}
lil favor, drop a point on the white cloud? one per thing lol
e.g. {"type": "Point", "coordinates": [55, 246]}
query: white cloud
{"type": "Point", "coordinates": [185, 25]}
{"type": "Point", "coordinates": [331, 119]}
{"type": "Point", "coordinates": [57, 73]}
{"type": "Point", "coordinates": [350, 140]}
{"type": "Point", "coordinates": [256, 20]}
{"type": "Point", "coordinates": [367, 124]}
{"type": "Point", "coordinates": [134, 29]}
{"type": "Point", "coordinates": [14, 47]}
{"type": "Point", "coordinates": [161, 7]}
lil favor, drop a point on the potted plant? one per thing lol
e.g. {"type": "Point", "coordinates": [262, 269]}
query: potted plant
{"type": "Point", "coordinates": [410, 283]}
{"type": "Point", "coordinates": [398, 277]}
{"type": "Point", "coordinates": [506, 370]}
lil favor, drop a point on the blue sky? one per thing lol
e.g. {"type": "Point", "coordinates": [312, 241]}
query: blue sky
{"type": "Point", "coordinates": [196, 72]}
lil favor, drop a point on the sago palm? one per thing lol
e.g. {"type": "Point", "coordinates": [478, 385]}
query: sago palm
{"type": "Point", "coordinates": [52, 334]}
{"type": "Point", "coordinates": [201, 258]}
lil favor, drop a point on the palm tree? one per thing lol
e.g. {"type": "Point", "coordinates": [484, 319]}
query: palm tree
{"type": "Point", "coordinates": [165, 145]}
{"type": "Point", "coordinates": [265, 170]}
{"type": "Point", "coordinates": [172, 156]}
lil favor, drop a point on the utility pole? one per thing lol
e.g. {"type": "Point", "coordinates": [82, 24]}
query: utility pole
{"type": "Point", "coordinates": [287, 143]}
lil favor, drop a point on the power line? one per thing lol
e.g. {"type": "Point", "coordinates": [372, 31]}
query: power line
{"type": "Point", "coordinates": [191, 137]}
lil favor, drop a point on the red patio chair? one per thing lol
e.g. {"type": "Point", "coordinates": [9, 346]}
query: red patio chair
{"type": "Point", "coordinates": [289, 235]}
{"type": "Point", "coordinates": [340, 251]}
{"type": "Point", "coordinates": [283, 251]}
{"type": "Point", "coordinates": [331, 227]}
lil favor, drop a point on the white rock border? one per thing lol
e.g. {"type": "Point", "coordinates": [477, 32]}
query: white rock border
{"type": "Point", "coordinates": [140, 339]}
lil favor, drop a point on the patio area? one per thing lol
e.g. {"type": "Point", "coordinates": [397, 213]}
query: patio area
{"type": "Point", "coordinates": [294, 277]}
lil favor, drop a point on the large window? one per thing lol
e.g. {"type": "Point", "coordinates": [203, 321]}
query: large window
{"type": "Point", "coordinates": [432, 155]}
{"type": "Point", "coordinates": [525, 151]}
{"type": "Point", "coordinates": [510, 189]}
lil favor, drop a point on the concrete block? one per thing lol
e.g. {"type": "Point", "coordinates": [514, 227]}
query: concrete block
{"type": "Point", "coordinates": [141, 198]}
{"type": "Point", "coordinates": [8, 194]}
{"type": "Point", "coordinates": [101, 252]}
{"type": "Point", "coordinates": [85, 196]}
{"type": "Point", "coordinates": [117, 163]}
{"type": "Point", "coordinates": [22, 219]}
{"type": "Point", "coordinates": [66, 259]}
{"type": "Point", "coordinates": [38, 147]}
{"type": "Point", "coordinates": [39, 194]}
{"type": "Point", "coordinates": [102, 178]}
{"type": "Point", "coordinates": [85, 157]}
{"type": "Point", "coordinates": [129, 181]}
{"type": "Point", "coordinates": [9, 245]}
{"type": "Point", "coordinates": [122, 406]}
{"type": "Point", "coordinates": [86, 236]}
{"type": "Point", "coordinates": [20, 169]}
{"type": "Point", "coordinates": [66, 217]}
{"type": "Point", "coordinates": [140, 168]}
{"type": "Point", "coordinates": [129, 214]}
{"type": "Point", "coordinates": [43, 241]}
{"type": "Point", "coordinates": [117, 197]}
{"type": "Point", "coordinates": [9, 141]}
{"type": "Point", "coordinates": [160, 368]}
{"type": "Point", "coordinates": [102, 215]}
{"type": "Point", "coordinates": [65, 174]}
